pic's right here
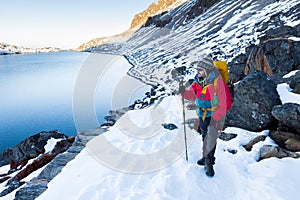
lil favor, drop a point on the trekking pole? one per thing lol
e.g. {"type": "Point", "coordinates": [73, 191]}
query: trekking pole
{"type": "Point", "coordinates": [184, 128]}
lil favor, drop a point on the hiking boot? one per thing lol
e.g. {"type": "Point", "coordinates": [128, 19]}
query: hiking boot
{"type": "Point", "coordinates": [209, 170]}
{"type": "Point", "coordinates": [201, 161]}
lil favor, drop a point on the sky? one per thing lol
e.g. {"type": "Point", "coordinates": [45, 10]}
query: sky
{"type": "Point", "coordinates": [65, 24]}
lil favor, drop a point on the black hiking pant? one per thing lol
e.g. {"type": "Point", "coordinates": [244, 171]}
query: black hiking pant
{"type": "Point", "coordinates": [209, 137]}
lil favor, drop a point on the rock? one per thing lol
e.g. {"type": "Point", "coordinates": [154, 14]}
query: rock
{"type": "Point", "coordinates": [293, 145]}
{"type": "Point", "coordinates": [255, 96]}
{"type": "Point", "coordinates": [295, 83]}
{"type": "Point", "coordinates": [157, 7]}
{"type": "Point", "coordinates": [227, 136]}
{"type": "Point", "coordinates": [29, 148]}
{"type": "Point", "coordinates": [86, 135]}
{"type": "Point", "coordinates": [280, 55]}
{"type": "Point", "coordinates": [38, 163]}
{"type": "Point", "coordinates": [258, 139]}
{"type": "Point", "coordinates": [286, 140]}
{"type": "Point", "coordinates": [268, 151]}
{"type": "Point", "coordinates": [14, 185]}
{"type": "Point", "coordinates": [232, 151]}
{"type": "Point", "coordinates": [288, 114]}
{"type": "Point", "coordinates": [283, 31]}
{"type": "Point", "coordinates": [31, 193]}
{"type": "Point", "coordinates": [55, 167]}
{"type": "Point", "coordinates": [170, 126]}
{"type": "Point", "coordinates": [278, 52]}
{"type": "Point", "coordinates": [178, 17]}
{"type": "Point", "coordinates": [236, 72]}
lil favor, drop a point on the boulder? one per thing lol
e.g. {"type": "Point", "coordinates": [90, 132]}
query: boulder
{"type": "Point", "coordinates": [295, 83]}
{"type": "Point", "coordinates": [227, 136]}
{"type": "Point", "coordinates": [256, 140]}
{"type": "Point", "coordinates": [255, 96]}
{"type": "Point", "coordinates": [268, 151]}
{"type": "Point", "coordinates": [286, 140]}
{"type": "Point", "coordinates": [288, 115]}
{"type": "Point", "coordinates": [29, 148]}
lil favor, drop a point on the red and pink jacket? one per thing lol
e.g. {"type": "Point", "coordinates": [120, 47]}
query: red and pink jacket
{"type": "Point", "coordinates": [203, 98]}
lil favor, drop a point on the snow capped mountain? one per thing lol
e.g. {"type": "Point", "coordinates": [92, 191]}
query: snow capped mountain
{"type": "Point", "coordinates": [13, 49]}
{"type": "Point", "coordinates": [139, 19]}
{"type": "Point", "coordinates": [227, 28]}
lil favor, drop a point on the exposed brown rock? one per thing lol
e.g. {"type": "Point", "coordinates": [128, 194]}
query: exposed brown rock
{"type": "Point", "coordinates": [154, 9]}
{"type": "Point", "coordinates": [259, 138]}
{"type": "Point", "coordinates": [269, 151]}
{"type": "Point", "coordinates": [286, 140]}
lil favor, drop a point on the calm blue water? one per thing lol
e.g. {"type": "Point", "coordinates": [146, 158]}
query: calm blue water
{"type": "Point", "coordinates": [36, 92]}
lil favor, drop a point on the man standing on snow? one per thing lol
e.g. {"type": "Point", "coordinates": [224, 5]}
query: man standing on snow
{"type": "Point", "coordinates": [212, 97]}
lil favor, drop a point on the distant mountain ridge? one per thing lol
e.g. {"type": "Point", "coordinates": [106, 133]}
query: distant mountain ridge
{"type": "Point", "coordinates": [155, 8]}
{"type": "Point", "coordinates": [7, 49]}
{"type": "Point", "coordinates": [138, 20]}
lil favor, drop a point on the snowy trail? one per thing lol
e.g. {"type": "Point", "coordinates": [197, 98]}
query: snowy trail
{"type": "Point", "coordinates": [238, 176]}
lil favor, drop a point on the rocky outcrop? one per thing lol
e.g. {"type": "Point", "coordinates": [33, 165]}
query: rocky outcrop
{"type": "Point", "coordinates": [269, 151]}
{"type": "Point", "coordinates": [172, 19]}
{"type": "Point", "coordinates": [254, 99]}
{"type": "Point", "coordinates": [286, 140]}
{"type": "Point", "coordinates": [277, 54]}
{"type": "Point", "coordinates": [288, 116]}
{"type": "Point", "coordinates": [17, 180]}
{"type": "Point", "coordinates": [29, 148]}
{"type": "Point", "coordinates": [156, 8]}
{"type": "Point", "coordinates": [287, 135]}
{"type": "Point", "coordinates": [295, 83]}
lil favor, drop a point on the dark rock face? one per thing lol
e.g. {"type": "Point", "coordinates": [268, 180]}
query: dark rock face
{"type": "Point", "coordinates": [295, 83]}
{"type": "Point", "coordinates": [236, 72]}
{"type": "Point", "coordinates": [280, 56]}
{"type": "Point", "coordinates": [288, 115]}
{"type": "Point", "coordinates": [29, 148]}
{"type": "Point", "coordinates": [16, 181]}
{"type": "Point", "coordinates": [181, 14]}
{"type": "Point", "coordinates": [254, 99]}
{"type": "Point", "coordinates": [31, 193]}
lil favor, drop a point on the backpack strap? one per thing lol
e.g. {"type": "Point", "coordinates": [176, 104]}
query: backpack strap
{"type": "Point", "coordinates": [215, 85]}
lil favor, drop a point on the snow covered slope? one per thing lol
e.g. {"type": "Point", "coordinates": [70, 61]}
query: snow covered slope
{"type": "Point", "coordinates": [98, 173]}
{"type": "Point", "coordinates": [228, 27]}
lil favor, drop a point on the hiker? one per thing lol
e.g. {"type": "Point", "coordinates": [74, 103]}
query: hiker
{"type": "Point", "coordinates": [212, 97]}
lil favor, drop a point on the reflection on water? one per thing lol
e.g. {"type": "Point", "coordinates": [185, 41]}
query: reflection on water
{"type": "Point", "coordinates": [36, 93]}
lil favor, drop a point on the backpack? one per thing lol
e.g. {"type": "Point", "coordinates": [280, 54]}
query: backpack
{"type": "Point", "coordinates": [223, 69]}
{"type": "Point", "coordinates": [224, 73]}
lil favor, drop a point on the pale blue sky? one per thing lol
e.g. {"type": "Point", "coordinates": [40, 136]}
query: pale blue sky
{"type": "Point", "coordinates": [64, 23]}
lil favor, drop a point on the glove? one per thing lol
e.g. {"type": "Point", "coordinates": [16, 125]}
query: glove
{"type": "Point", "coordinates": [181, 89]}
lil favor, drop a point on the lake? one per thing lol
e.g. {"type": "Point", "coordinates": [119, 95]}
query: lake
{"type": "Point", "coordinates": [37, 92]}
